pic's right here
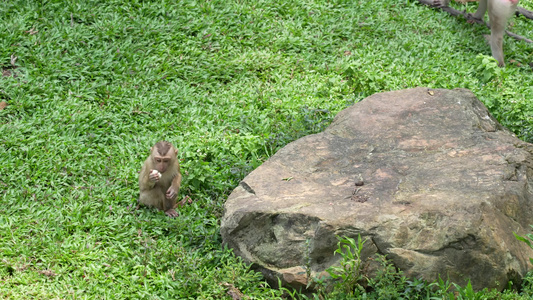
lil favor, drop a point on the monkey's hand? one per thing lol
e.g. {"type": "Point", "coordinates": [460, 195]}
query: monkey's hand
{"type": "Point", "coordinates": [171, 193]}
{"type": "Point", "coordinates": [154, 175]}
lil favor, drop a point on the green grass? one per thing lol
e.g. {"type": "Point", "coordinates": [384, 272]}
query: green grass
{"type": "Point", "coordinates": [96, 83]}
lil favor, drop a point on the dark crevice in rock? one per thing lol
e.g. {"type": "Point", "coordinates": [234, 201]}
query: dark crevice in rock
{"type": "Point", "coordinates": [247, 187]}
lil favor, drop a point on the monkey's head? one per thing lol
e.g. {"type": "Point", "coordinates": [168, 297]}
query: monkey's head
{"type": "Point", "coordinates": [163, 155]}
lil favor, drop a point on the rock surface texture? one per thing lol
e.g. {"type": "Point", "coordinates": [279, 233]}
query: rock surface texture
{"type": "Point", "coordinates": [441, 187]}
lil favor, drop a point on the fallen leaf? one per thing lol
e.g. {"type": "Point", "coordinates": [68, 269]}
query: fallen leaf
{"type": "Point", "coordinates": [233, 291]}
{"type": "Point", "coordinates": [48, 273]}
{"type": "Point", "coordinates": [13, 60]}
{"type": "Point", "coordinates": [32, 31]}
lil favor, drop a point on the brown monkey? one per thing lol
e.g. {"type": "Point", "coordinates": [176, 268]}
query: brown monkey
{"type": "Point", "coordinates": [160, 179]}
{"type": "Point", "coordinates": [499, 13]}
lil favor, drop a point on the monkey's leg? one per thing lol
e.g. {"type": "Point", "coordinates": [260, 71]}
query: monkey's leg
{"type": "Point", "coordinates": [170, 204]}
{"type": "Point", "coordinates": [496, 40]}
{"type": "Point", "coordinates": [499, 13]}
{"type": "Point", "coordinates": [171, 196]}
{"type": "Point", "coordinates": [153, 197]}
{"type": "Point", "coordinates": [481, 9]}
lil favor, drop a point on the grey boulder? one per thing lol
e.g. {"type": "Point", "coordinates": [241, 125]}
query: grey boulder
{"type": "Point", "coordinates": [428, 177]}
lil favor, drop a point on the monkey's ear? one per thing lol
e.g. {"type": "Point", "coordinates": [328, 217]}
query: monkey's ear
{"type": "Point", "coordinates": [175, 150]}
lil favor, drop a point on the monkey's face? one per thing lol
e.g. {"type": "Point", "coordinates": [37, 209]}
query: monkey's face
{"type": "Point", "coordinates": [163, 156]}
{"type": "Point", "coordinates": [161, 163]}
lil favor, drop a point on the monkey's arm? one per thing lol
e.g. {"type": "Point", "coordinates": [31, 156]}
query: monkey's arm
{"type": "Point", "coordinates": [174, 188]}
{"type": "Point", "coordinates": [145, 183]}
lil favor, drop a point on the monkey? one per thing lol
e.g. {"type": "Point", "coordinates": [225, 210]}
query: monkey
{"type": "Point", "coordinates": [499, 13]}
{"type": "Point", "coordinates": [160, 179]}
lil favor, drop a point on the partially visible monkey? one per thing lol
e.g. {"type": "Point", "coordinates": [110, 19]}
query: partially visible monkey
{"type": "Point", "coordinates": [160, 179]}
{"type": "Point", "coordinates": [499, 13]}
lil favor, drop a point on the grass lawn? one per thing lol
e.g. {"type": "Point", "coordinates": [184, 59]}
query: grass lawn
{"type": "Point", "coordinates": [91, 85]}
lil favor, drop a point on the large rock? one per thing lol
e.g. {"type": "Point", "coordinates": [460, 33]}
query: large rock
{"type": "Point", "coordinates": [444, 188]}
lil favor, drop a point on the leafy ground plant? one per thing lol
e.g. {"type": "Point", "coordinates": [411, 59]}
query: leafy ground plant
{"type": "Point", "coordinates": [87, 86]}
{"type": "Point", "coordinates": [528, 239]}
{"type": "Point", "coordinates": [349, 275]}
{"type": "Point", "coordinates": [351, 280]}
